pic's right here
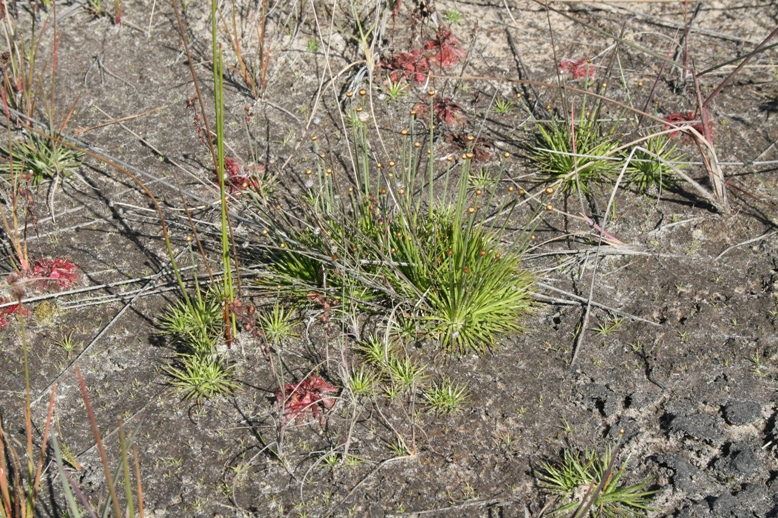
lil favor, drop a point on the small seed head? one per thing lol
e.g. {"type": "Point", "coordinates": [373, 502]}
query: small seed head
{"type": "Point", "coordinates": [359, 109]}
{"type": "Point", "coordinates": [549, 190]}
{"type": "Point", "coordinates": [470, 210]}
{"type": "Point", "coordinates": [532, 238]}
{"type": "Point", "coordinates": [378, 165]}
{"type": "Point", "coordinates": [430, 92]}
{"type": "Point", "coordinates": [466, 270]}
{"type": "Point", "coordinates": [401, 191]}
{"type": "Point", "coordinates": [604, 86]}
{"type": "Point", "coordinates": [309, 172]}
{"type": "Point", "coordinates": [349, 94]}
{"type": "Point", "coordinates": [449, 252]}
{"type": "Point", "coordinates": [314, 138]}
{"type": "Point", "coordinates": [417, 145]}
{"type": "Point", "coordinates": [470, 155]}
{"type": "Point", "coordinates": [322, 155]}
{"type": "Point", "coordinates": [511, 188]}
{"type": "Point", "coordinates": [393, 251]}
{"type": "Point", "coordinates": [363, 92]}
{"type": "Point", "coordinates": [506, 155]}
{"type": "Point", "coordinates": [413, 113]}
{"type": "Point", "coordinates": [482, 253]}
{"type": "Point", "coordinates": [383, 191]}
{"type": "Point", "coordinates": [522, 192]}
{"type": "Point", "coordinates": [478, 192]}
{"type": "Point", "coordinates": [404, 132]}
{"type": "Point", "coordinates": [640, 84]}
{"type": "Point", "coordinates": [549, 207]}
{"type": "Point", "coordinates": [470, 138]}
{"type": "Point", "coordinates": [328, 172]}
{"type": "Point", "coordinates": [391, 163]}
{"type": "Point", "coordinates": [497, 256]}
{"type": "Point", "coordinates": [519, 96]}
{"type": "Point", "coordinates": [548, 107]}
{"type": "Point", "coordinates": [350, 190]}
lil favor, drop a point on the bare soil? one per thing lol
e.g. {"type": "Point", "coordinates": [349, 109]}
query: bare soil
{"type": "Point", "coordinates": [692, 382]}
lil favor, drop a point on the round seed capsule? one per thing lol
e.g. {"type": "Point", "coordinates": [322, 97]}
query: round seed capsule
{"type": "Point", "coordinates": [548, 107]}
{"type": "Point", "coordinates": [391, 175]}
{"type": "Point", "coordinates": [478, 192]}
{"type": "Point", "coordinates": [449, 252]}
{"type": "Point", "coordinates": [470, 155]}
{"type": "Point", "coordinates": [391, 163]}
{"type": "Point", "coordinates": [482, 253]}
{"type": "Point", "coordinates": [549, 190]}
{"type": "Point", "coordinates": [413, 113]}
{"type": "Point", "coordinates": [604, 86]}
{"type": "Point", "coordinates": [511, 188]}
{"type": "Point", "coordinates": [464, 156]}
{"type": "Point", "coordinates": [466, 270]}
{"type": "Point", "coordinates": [383, 191]}
{"type": "Point", "coordinates": [450, 158]}
{"type": "Point", "coordinates": [640, 84]}
{"type": "Point", "coordinates": [549, 207]}
{"type": "Point", "coordinates": [430, 92]}
{"type": "Point", "coordinates": [359, 109]}
{"type": "Point", "coordinates": [278, 207]}
{"type": "Point", "coordinates": [470, 210]}
{"type": "Point", "coordinates": [399, 234]}
{"type": "Point", "coordinates": [532, 238]}
{"type": "Point", "coordinates": [363, 92]}
{"type": "Point", "coordinates": [314, 138]}
{"type": "Point", "coordinates": [519, 96]}
{"type": "Point", "coordinates": [349, 94]}
{"type": "Point", "coordinates": [264, 232]}
{"type": "Point", "coordinates": [334, 257]}
{"type": "Point", "coordinates": [404, 132]}
{"type": "Point", "coordinates": [350, 190]}
{"type": "Point", "coordinates": [328, 172]}
{"type": "Point", "coordinates": [378, 165]}
{"type": "Point", "coordinates": [309, 172]}
{"type": "Point", "coordinates": [506, 155]}
{"type": "Point", "coordinates": [497, 256]}
{"type": "Point", "coordinates": [417, 144]}
{"type": "Point", "coordinates": [401, 191]}
{"type": "Point", "coordinates": [322, 155]}
{"type": "Point", "coordinates": [282, 245]}
{"type": "Point", "coordinates": [470, 138]}
{"type": "Point", "coordinates": [522, 192]}
{"type": "Point", "coordinates": [393, 251]}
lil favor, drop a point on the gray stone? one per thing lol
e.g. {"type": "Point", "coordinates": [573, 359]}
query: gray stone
{"type": "Point", "coordinates": [742, 412]}
{"type": "Point", "coordinates": [605, 400]}
{"type": "Point", "coordinates": [702, 427]}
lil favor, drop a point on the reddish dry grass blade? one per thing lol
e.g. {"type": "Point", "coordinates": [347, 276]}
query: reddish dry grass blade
{"type": "Point", "coordinates": [99, 444]}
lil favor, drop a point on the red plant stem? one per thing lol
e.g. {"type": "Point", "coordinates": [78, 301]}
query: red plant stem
{"type": "Point", "coordinates": [741, 65]}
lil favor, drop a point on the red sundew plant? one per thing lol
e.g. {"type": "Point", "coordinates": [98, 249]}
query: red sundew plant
{"type": "Point", "coordinates": [446, 47]}
{"type": "Point", "coordinates": [446, 111]}
{"type": "Point", "coordinates": [16, 309]}
{"type": "Point", "coordinates": [407, 65]}
{"type": "Point", "coordinates": [577, 68]}
{"type": "Point", "coordinates": [238, 177]}
{"type": "Point", "coordinates": [675, 119]}
{"type": "Point", "coordinates": [310, 396]}
{"type": "Point", "coordinates": [53, 273]}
